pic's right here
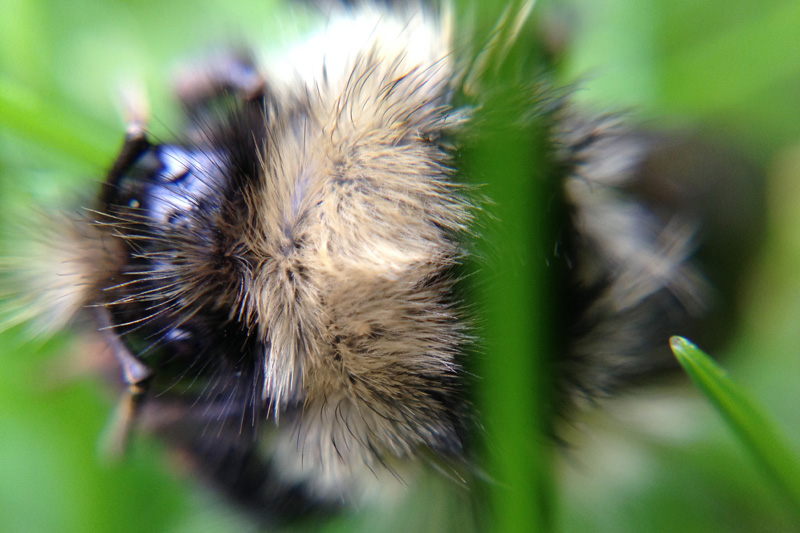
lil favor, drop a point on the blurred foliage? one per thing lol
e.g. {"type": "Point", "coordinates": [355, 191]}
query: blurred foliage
{"type": "Point", "coordinates": [656, 459]}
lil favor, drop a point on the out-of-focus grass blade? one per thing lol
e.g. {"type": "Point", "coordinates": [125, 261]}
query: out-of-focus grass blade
{"type": "Point", "coordinates": [745, 417]}
{"type": "Point", "coordinates": [510, 155]}
{"type": "Point", "coordinates": [52, 126]}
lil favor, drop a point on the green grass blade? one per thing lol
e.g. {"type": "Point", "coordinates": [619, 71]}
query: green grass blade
{"type": "Point", "coordinates": [54, 127]}
{"type": "Point", "coordinates": [511, 157]}
{"type": "Point", "coordinates": [759, 434]}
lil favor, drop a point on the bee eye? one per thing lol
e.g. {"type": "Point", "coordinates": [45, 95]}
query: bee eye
{"type": "Point", "coordinates": [166, 183]}
{"type": "Point", "coordinates": [184, 182]}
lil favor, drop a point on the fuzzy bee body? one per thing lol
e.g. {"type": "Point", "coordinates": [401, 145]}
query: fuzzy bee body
{"type": "Point", "coordinates": [632, 281]}
{"type": "Point", "coordinates": [277, 282]}
{"type": "Point", "coordinates": [289, 259]}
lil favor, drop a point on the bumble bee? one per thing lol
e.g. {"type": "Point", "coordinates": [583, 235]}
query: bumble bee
{"type": "Point", "coordinates": [275, 283]}
{"type": "Point", "coordinates": [278, 282]}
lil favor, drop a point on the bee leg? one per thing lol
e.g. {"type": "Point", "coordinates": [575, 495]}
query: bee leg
{"type": "Point", "coordinates": [227, 74]}
{"type": "Point", "coordinates": [137, 110]}
{"type": "Point", "coordinates": [137, 376]}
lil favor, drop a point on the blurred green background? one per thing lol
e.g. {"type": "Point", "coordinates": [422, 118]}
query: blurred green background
{"type": "Point", "coordinates": [656, 459]}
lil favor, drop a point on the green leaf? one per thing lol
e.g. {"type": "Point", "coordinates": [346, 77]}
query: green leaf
{"type": "Point", "coordinates": [745, 417]}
